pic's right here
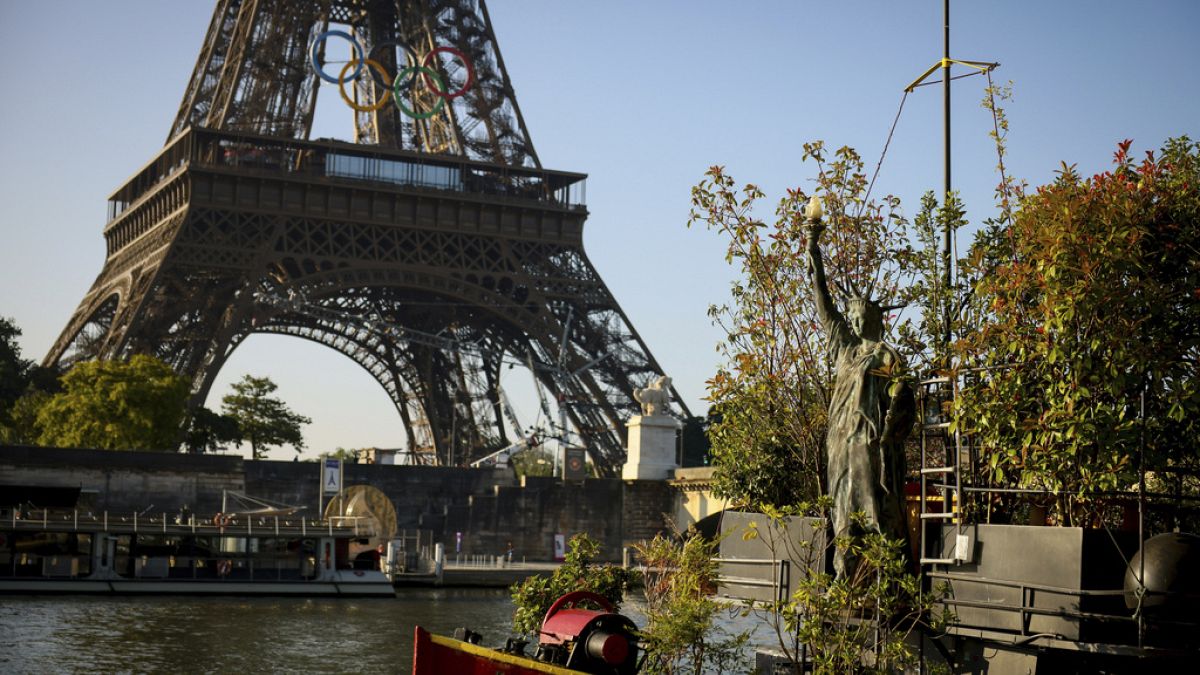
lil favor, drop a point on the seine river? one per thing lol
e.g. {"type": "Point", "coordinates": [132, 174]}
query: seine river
{"type": "Point", "coordinates": [66, 634]}
{"type": "Point", "coordinates": [51, 634]}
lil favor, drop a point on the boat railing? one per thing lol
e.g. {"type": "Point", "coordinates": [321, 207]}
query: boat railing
{"type": "Point", "coordinates": [61, 520]}
{"type": "Point", "coordinates": [233, 566]}
{"type": "Point", "coordinates": [1070, 603]}
{"type": "Point", "coordinates": [1028, 590]}
{"type": "Point", "coordinates": [219, 566]}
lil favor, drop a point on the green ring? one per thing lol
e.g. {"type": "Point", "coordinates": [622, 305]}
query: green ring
{"type": "Point", "coordinates": [413, 70]}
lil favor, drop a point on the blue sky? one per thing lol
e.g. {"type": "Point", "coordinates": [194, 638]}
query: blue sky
{"type": "Point", "coordinates": [642, 96]}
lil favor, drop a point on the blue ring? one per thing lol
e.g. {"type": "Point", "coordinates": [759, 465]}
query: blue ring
{"type": "Point", "coordinates": [358, 50]}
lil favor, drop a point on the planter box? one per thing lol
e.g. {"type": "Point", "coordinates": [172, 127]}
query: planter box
{"type": "Point", "coordinates": [770, 565]}
{"type": "Point", "coordinates": [1040, 569]}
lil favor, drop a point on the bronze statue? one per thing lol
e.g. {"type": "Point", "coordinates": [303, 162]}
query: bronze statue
{"type": "Point", "coordinates": [864, 448]}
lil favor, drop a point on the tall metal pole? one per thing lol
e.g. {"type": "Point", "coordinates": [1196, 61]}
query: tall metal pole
{"type": "Point", "coordinates": [946, 234]}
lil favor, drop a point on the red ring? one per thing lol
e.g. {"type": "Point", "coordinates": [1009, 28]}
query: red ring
{"type": "Point", "coordinates": [461, 57]}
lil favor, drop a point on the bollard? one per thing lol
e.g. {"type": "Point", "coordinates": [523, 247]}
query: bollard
{"type": "Point", "coordinates": [439, 562]}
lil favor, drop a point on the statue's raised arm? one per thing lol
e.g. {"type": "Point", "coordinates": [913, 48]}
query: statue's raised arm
{"type": "Point", "coordinates": [831, 319]}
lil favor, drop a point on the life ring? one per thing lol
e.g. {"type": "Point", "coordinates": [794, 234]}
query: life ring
{"type": "Point", "coordinates": [221, 520]}
{"type": "Point", "coordinates": [224, 567]}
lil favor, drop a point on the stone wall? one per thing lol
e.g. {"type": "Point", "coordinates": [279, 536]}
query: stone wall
{"type": "Point", "coordinates": [125, 481]}
{"type": "Point", "coordinates": [646, 510]}
{"type": "Point", "coordinates": [487, 506]}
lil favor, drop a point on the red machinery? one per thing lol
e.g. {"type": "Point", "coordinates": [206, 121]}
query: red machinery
{"type": "Point", "coordinates": [588, 640]}
{"type": "Point", "coordinates": [572, 640]}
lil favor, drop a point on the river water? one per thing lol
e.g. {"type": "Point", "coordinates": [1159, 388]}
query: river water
{"type": "Point", "coordinates": [68, 634]}
{"type": "Point", "coordinates": [189, 634]}
{"type": "Point", "coordinates": [51, 634]}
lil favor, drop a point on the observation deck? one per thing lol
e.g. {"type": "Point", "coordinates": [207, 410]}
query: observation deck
{"type": "Point", "coordinates": [322, 163]}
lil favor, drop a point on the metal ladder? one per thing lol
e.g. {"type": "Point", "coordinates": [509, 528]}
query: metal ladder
{"type": "Point", "coordinates": [946, 473]}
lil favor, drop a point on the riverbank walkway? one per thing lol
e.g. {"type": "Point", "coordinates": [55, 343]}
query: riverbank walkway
{"type": "Point", "coordinates": [477, 573]}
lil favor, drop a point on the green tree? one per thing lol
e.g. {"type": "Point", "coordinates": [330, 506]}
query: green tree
{"type": "Point", "coordinates": [1089, 301]}
{"type": "Point", "coordinates": [264, 420]}
{"type": "Point", "coordinates": [115, 405]}
{"type": "Point", "coordinates": [770, 399]}
{"type": "Point", "coordinates": [13, 369]}
{"type": "Point", "coordinates": [922, 338]}
{"type": "Point", "coordinates": [351, 456]}
{"type": "Point", "coordinates": [683, 632]}
{"type": "Point", "coordinates": [533, 596]}
{"type": "Point", "coordinates": [209, 431]}
{"type": "Point", "coordinates": [21, 427]}
{"type": "Point", "coordinates": [24, 387]}
{"type": "Point", "coordinates": [532, 462]}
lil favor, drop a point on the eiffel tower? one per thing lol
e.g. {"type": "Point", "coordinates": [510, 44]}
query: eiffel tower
{"type": "Point", "coordinates": [433, 250]}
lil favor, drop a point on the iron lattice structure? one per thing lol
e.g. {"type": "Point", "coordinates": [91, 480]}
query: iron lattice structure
{"type": "Point", "coordinates": [430, 251]}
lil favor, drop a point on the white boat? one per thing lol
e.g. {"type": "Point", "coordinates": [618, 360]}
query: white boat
{"type": "Point", "coordinates": [68, 551]}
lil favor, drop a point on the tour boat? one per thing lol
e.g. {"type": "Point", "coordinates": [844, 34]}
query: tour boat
{"type": "Point", "coordinates": [68, 551]}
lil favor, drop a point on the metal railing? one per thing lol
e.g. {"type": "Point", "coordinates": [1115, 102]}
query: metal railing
{"type": "Point", "coordinates": [54, 520]}
{"type": "Point", "coordinates": [231, 566]}
{"type": "Point", "coordinates": [1027, 609]}
{"type": "Point", "coordinates": [482, 560]}
{"type": "Point", "coordinates": [336, 160]}
{"type": "Point", "coordinates": [779, 580]}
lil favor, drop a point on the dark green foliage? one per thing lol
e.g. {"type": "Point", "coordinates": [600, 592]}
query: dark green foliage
{"type": "Point", "coordinates": [532, 462]}
{"type": "Point", "coordinates": [684, 631]}
{"type": "Point", "coordinates": [209, 431]}
{"type": "Point", "coordinates": [578, 572]}
{"type": "Point", "coordinates": [21, 425]}
{"type": "Point", "coordinates": [13, 369]}
{"type": "Point", "coordinates": [115, 405]}
{"type": "Point", "coordinates": [1088, 300]}
{"type": "Point", "coordinates": [264, 420]}
{"type": "Point", "coordinates": [24, 387]}
{"type": "Point", "coordinates": [349, 456]}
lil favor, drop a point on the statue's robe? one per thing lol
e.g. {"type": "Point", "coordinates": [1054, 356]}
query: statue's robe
{"type": "Point", "coordinates": [864, 460]}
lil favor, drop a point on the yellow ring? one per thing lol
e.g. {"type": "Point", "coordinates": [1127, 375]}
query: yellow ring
{"type": "Point", "coordinates": [383, 100]}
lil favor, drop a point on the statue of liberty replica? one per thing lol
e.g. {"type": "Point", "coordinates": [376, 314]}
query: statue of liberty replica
{"type": "Point", "coordinates": [869, 419]}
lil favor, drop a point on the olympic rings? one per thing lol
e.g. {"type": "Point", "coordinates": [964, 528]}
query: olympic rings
{"type": "Point", "coordinates": [405, 79]}
{"type": "Point", "coordinates": [372, 67]}
{"type": "Point", "coordinates": [409, 59]}
{"type": "Point", "coordinates": [314, 48]}
{"type": "Point", "coordinates": [427, 73]}
{"type": "Point", "coordinates": [461, 57]}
